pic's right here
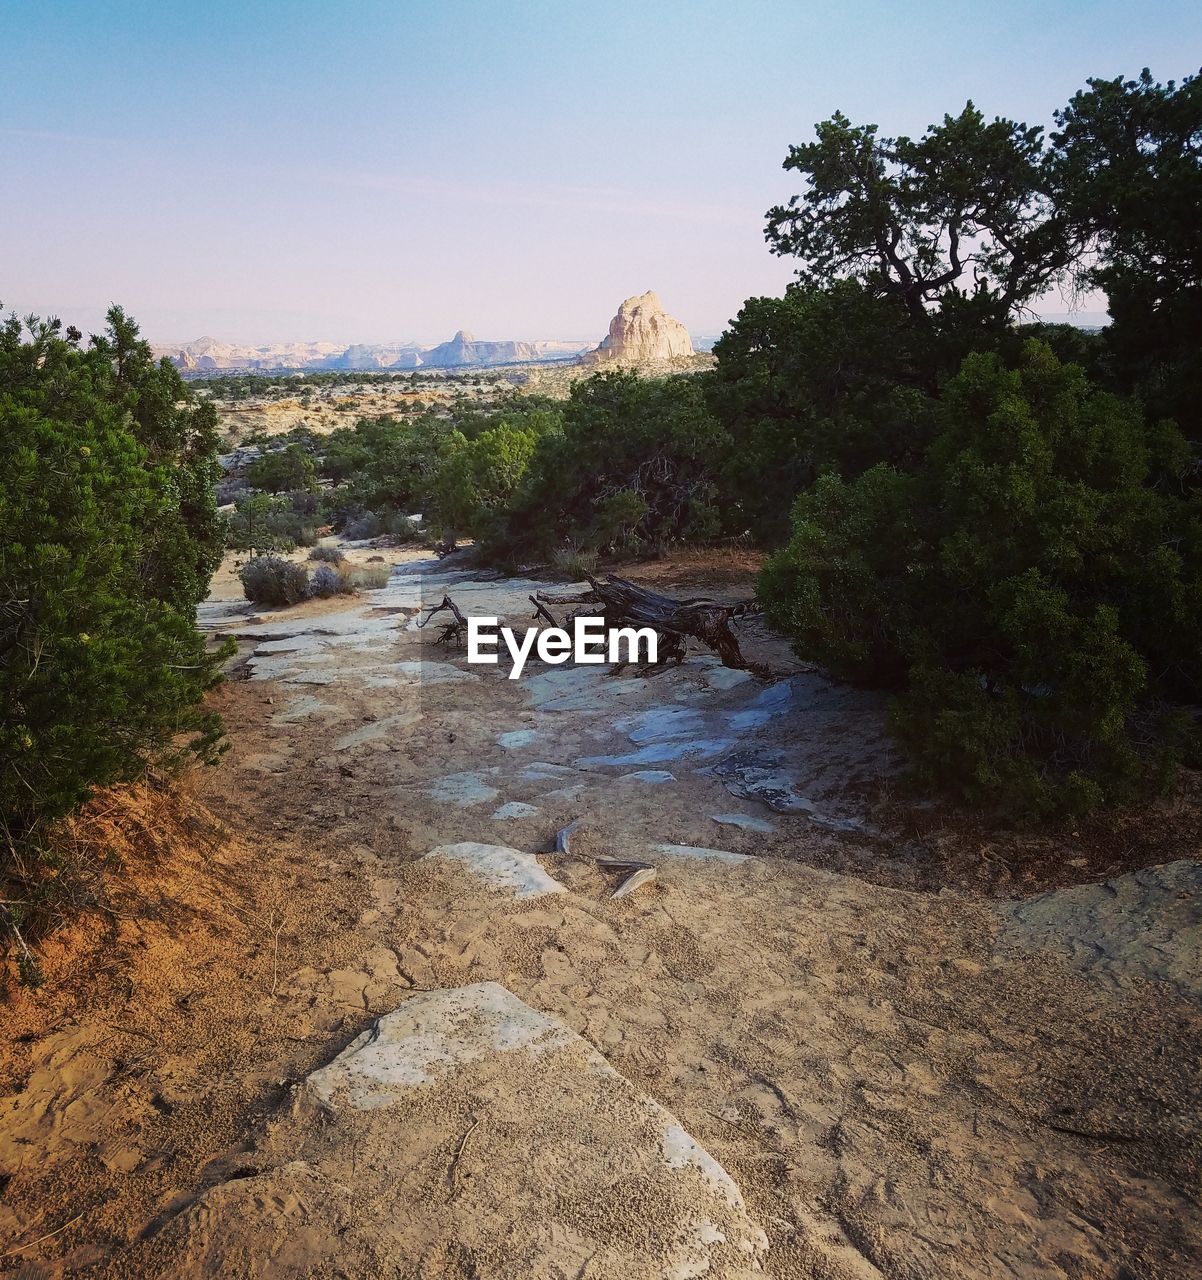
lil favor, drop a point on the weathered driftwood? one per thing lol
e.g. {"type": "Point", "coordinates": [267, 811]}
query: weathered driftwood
{"type": "Point", "coordinates": [636, 880]}
{"type": "Point", "coordinates": [563, 838]}
{"type": "Point", "coordinates": [454, 630]}
{"type": "Point", "coordinates": [620, 601]}
{"type": "Point", "coordinates": [638, 874]}
{"type": "Point", "coordinates": [541, 611]}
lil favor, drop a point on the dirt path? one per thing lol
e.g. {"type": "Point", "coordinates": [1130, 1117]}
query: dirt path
{"type": "Point", "coordinates": [901, 1083]}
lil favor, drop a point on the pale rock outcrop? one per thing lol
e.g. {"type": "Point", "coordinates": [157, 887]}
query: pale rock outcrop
{"type": "Point", "coordinates": [470, 1133]}
{"type": "Point", "coordinates": [642, 333]}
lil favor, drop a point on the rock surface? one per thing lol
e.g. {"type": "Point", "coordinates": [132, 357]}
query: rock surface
{"type": "Point", "coordinates": [1142, 927]}
{"type": "Point", "coordinates": [467, 1127]}
{"type": "Point", "coordinates": [500, 867]}
{"type": "Point", "coordinates": [642, 333]}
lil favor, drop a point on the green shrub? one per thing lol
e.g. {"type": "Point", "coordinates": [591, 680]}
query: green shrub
{"type": "Point", "coordinates": [479, 477]}
{"type": "Point", "coordinates": [635, 467]}
{"type": "Point", "coordinates": [272, 580]}
{"type": "Point", "coordinates": [400, 461]}
{"type": "Point", "coordinates": [401, 528]}
{"type": "Point", "coordinates": [261, 522]}
{"type": "Point", "coordinates": [822, 379]}
{"type": "Point", "coordinates": [362, 526]}
{"type": "Point", "coordinates": [288, 469]}
{"type": "Point", "coordinates": [108, 537]}
{"type": "Point", "coordinates": [1026, 590]}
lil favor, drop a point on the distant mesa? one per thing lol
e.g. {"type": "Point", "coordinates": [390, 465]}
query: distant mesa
{"type": "Point", "coordinates": [463, 349]}
{"type": "Point", "coordinates": [207, 355]}
{"type": "Point", "coordinates": [642, 333]}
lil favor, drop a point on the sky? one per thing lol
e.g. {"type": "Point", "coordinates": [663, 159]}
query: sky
{"type": "Point", "coordinates": [363, 171]}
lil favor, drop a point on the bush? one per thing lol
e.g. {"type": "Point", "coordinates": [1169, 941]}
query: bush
{"type": "Point", "coordinates": [331, 555]}
{"type": "Point", "coordinates": [108, 537]}
{"type": "Point", "coordinates": [371, 578]}
{"type": "Point", "coordinates": [822, 379]}
{"type": "Point", "coordinates": [262, 522]}
{"type": "Point", "coordinates": [230, 490]}
{"type": "Point", "coordinates": [359, 528]}
{"type": "Point", "coordinates": [398, 461]}
{"type": "Point", "coordinates": [332, 580]}
{"type": "Point", "coordinates": [364, 525]}
{"type": "Point", "coordinates": [288, 469]}
{"type": "Point", "coordinates": [636, 467]}
{"type": "Point", "coordinates": [479, 477]}
{"type": "Point", "coordinates": [1031, 590]}
{"type": "Point", "coordinates": [402, 528]}
{"type": "Point", "coordinates": [272, 580]}
{"type": "Point", "coordinates": [573, 564]}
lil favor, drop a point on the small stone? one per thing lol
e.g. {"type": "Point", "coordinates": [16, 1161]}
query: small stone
{"type": "Point", "coordinates": [745, 821]}
{"type": "Point", "coordinates": [514, 809]}
{"type": "Point", "coordinates": [500, 867]}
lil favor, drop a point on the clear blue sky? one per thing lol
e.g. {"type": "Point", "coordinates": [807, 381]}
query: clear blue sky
{"type": "Point", "coordinates": [354, 170]}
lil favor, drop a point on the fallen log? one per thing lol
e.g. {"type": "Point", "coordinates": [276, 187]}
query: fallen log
{"type": "Point", "coordinates": [619, 600]}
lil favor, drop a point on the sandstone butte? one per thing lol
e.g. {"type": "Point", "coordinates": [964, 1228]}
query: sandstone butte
{"type": "Point", "coordinates": [640, 333]}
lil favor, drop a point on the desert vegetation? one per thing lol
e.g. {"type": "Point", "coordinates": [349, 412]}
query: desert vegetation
{"type": "Point", "coordinates": [276, 581]}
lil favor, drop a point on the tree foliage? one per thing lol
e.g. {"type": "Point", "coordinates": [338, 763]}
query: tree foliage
{"type": "Point", "coordinates": [288, 470]}
{"type": "Point", "coordinates": [1128, 166]}
{"type": "Point", "coordinates": [1007, 535]}
{"type": "Point", "coordinates": [817, 380]}
{"type": "Point", "coordinates": [961, 219]}
{"type": "Point", "coordinates": [1028, 588]}
{"type": "Point", "coordinates": [479, 478]}
{"type": "Point", "coordinates": [108, 537]}
{"type": "Point", "coordinates": [635, 467]}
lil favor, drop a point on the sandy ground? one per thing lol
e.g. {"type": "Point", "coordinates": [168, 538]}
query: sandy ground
{"type": "Point", "coordinates": [905, 1075]}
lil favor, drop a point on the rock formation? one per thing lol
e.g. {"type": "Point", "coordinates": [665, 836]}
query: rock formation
{"type": "Point", "coordinates": [465, 350]}
{"type": "Point", "coordinates": [469, 1125]}
{"type": "Point", "coordinates": [207, 355]}
{"type": "Point", "coordinates": [642, 333]}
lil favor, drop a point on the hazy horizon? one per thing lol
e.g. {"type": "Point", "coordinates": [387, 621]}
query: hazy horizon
{"type": "Point", "coordinates": [394, 172]}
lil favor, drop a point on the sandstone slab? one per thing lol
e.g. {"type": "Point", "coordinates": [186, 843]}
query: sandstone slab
{"type": "Point", "coordinates": [468, 1133]}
